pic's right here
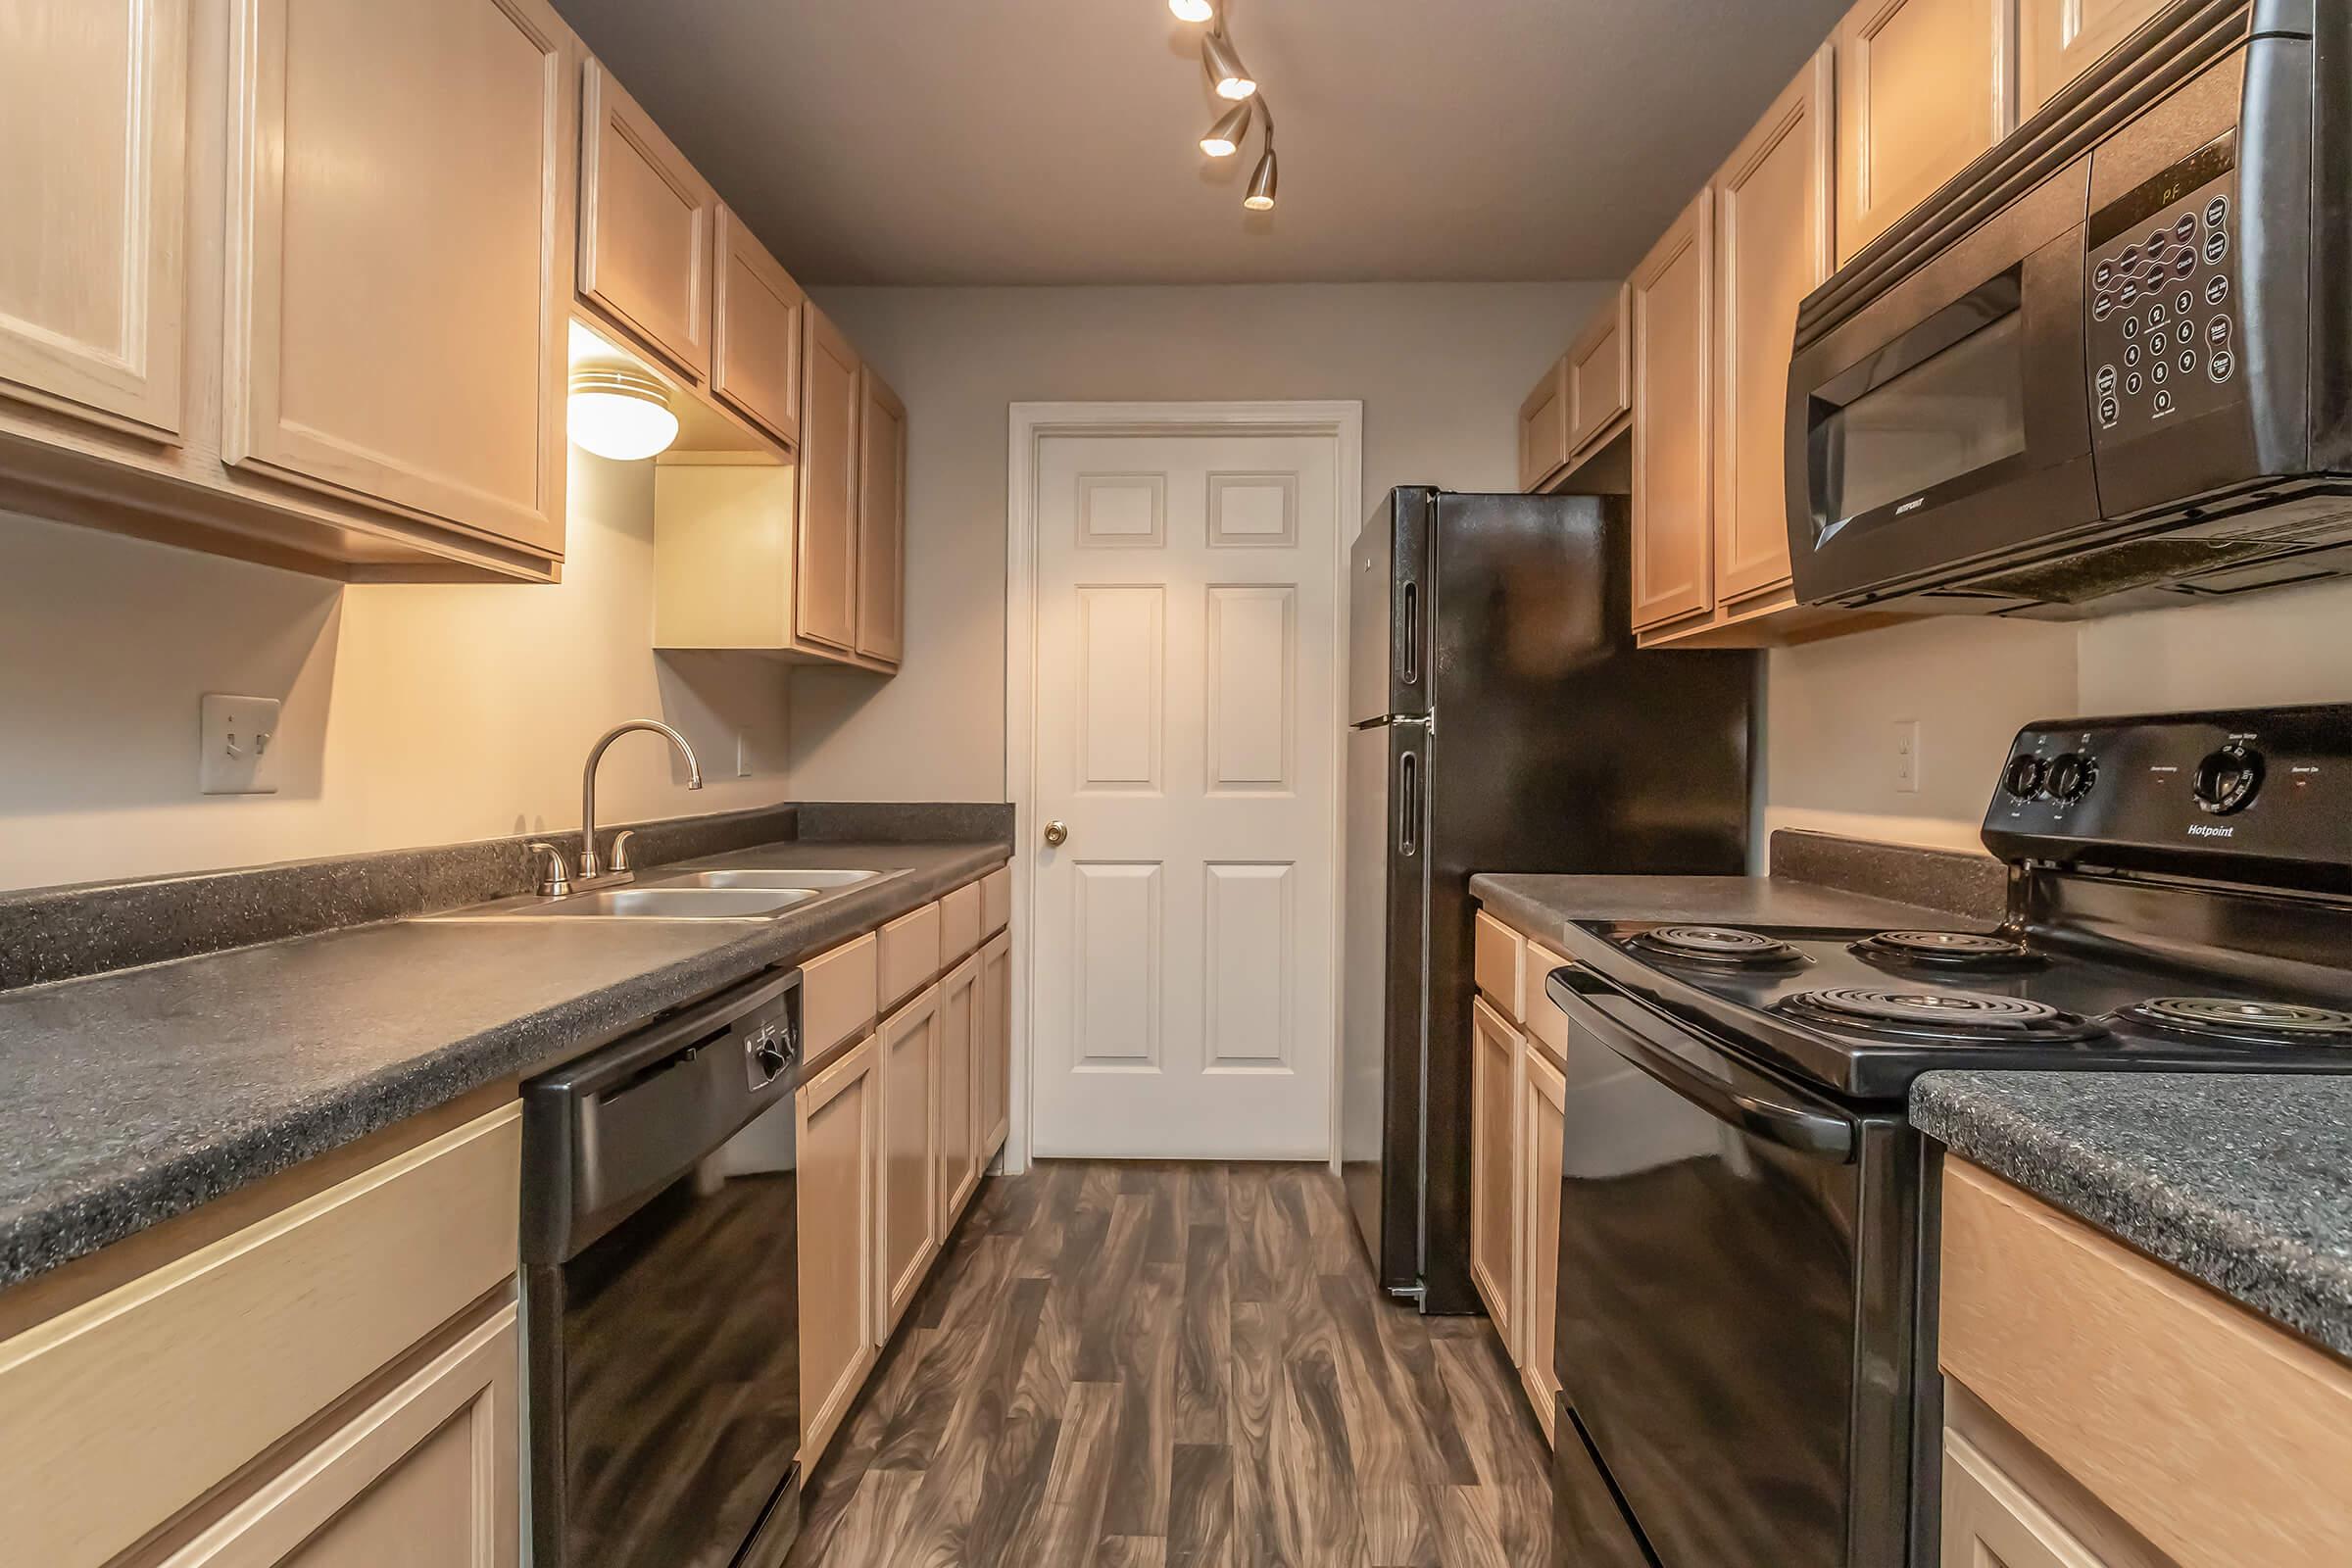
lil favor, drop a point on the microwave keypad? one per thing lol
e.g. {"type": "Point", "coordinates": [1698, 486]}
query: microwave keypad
{"type": "Point", "coordinates": [2163, 323]}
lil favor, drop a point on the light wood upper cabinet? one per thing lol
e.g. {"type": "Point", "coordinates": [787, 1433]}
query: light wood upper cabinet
{"type": "Point", "coordinates": [1673, 303]}
{"type": "Point", "coordinates": [1495, 1172]}
{"type": "Point", "coordinates": [1543, 1099]}
{"type": "Point", "coordinates": [881, 519]}
{"type": "Point", "coordinates": [2057, 40]}
{"type": "Point", "coordinates": [960, 1160]}
{"type": "Point", "coordinates": [1923, 88]}
{"type": "Point", "coordinates": [648, 223]}
{"type": "Point", "coordinates": [907, 1150]}
{"type": "Point", "coordinates": [756, 332]}
{"type": "Point", "coordinates": [826, 592]}
{"type": "Point", "coordinates": [1773, 201]}
{"type": "Point", "coordinates": [1544, 432]}
{"type": "Point", "coordinates": [399, 280]}
{"type": "Point", "coordinates": [996, 1044]}
{"type": "Point", "coordinates": [839, 1112]}
{"type": "Point", "coordinates": [1601, 370]}
{"type": "Point", "coordinates": [93, 177]}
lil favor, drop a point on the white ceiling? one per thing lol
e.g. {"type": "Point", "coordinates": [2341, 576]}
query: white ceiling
{"type": "Point", "coordinates": [1053, 141]}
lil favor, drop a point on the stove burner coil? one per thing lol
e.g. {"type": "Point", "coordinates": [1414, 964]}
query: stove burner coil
{"type": "Point", "coordinates": [1953, 950]}
{"type": "Point", "coordinates": [1937, 1014]}
{"type": "Point", "coordinates": [1726, 946]}
{"type": "Point", "coordinates": [2235, 1019]}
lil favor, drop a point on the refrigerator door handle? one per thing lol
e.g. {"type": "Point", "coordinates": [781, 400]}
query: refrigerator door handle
{"type": "Point", "coordinates": [1410, 665]}
{"type": "Point", "coordinates": [1408, 803]}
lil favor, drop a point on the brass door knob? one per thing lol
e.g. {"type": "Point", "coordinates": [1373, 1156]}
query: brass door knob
{"type": "Point", "coordinates": [1058, 833]}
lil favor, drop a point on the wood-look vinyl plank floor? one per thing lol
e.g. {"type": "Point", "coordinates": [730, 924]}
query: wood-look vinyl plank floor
{"type": "Point", "coordinates": [1150, 1365]}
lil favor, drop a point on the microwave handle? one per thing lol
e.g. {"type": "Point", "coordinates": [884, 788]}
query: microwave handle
{"type": "Point", "coordinates": [1774, 1121]}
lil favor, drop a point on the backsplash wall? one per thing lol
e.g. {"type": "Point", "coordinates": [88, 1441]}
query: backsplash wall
{"type": "Point", "coordinates": [414, 715]}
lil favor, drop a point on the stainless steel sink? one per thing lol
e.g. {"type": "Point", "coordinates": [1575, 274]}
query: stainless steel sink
{"type": "Point", "coordinates": [811, 881]}
{"type": "Point", "coordinates": [646, 904]}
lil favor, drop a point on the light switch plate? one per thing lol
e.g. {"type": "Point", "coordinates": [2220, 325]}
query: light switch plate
{"type": "Point", "coordinates": [1906, 755]}
{"type": "Point", "coordinates": [240, 746]}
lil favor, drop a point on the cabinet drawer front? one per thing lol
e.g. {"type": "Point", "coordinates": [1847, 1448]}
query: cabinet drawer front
{"type": "Point", "coordinates": [960, 922]}
{"type": "Point", "coordinates": [1499, 964]}
{"type": "Point", "coordinates": [1547, 1024]}
{"type": "Point", "coordinates": [120, 1412]}
{"type": "Point", "coordinates": [996, 900]}
{"type": "Point", "coordinates": [2222, 1439]}
{"type": "Point", "coordinates": [838, 996]}
{"type": "Point", "coordinates": [909, 955]}
{"type": "Point", "coordinates": [756, 332]}
{"type": "Point", "coordinates": [646, 226]}
{"type": "Point", "coordinates": [1599, 372]}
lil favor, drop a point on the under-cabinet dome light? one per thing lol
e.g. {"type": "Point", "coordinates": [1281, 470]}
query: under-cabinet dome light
{"type": "Point", "coordinates": [621, 413]}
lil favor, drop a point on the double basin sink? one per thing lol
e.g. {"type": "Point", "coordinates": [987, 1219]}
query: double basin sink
{"type": "Point", "coordinates": [732, 894]}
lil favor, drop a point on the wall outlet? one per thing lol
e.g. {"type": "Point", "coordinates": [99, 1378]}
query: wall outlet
{"type": "Point", "coordinates": [239, 746]}
{"type": "Point", "coordinates": [1906, 755]}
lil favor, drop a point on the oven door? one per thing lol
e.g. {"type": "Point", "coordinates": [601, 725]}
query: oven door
{"type": "Point", "coordinates": [1738, 1272]}
{"type": "Point", "coordinates": [1945, 426]}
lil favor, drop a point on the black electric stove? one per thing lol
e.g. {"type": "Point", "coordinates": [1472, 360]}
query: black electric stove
{"type": "Point", "coordinates": [1744, 1328]}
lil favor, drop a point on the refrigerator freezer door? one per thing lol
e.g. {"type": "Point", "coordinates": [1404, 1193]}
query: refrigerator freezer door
{"type": "Point", "coordinates": [1380, 1049]}
{"type": "Point", "coordinates": [1389, 610]}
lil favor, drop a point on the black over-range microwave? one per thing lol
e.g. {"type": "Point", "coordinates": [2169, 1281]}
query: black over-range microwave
{"type": "Point", "coordinates": [2109, 367]}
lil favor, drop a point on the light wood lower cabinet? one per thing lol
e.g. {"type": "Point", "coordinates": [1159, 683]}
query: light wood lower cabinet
{"type": "Point", "coordinates": [907, 1150]}
{"type": "Point", "coordinates": [840, 1128]}
{"type": "Point", "coordinates": [1494, 1177]}
{"type": "Point", "coordinates": [996, 1044]}
{"type": "Point", "coordinates": [1543, 1099]}
{"type": "Point", "coordinates": [959, 1159]}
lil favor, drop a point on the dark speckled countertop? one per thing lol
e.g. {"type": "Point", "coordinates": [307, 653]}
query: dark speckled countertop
{"type": "Point", "coordinates": [1539, 906]}
{"type": "Point", "coordinates": [2242, 1181]}
{"type": "Point", "coordinates": [135, 1095]}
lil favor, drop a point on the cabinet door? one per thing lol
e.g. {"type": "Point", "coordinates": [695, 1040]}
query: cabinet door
{"type": "Point", "coordinates": [1673, 318]}
{"type": "Point", "coordinates": [1493, 1171]}
{"type": "Point", "coordinates": [996, 1046]}
{"type": "Point", "coordinates": [1601, 371]}
{"type": "Point", "coordinates": [1772, 248]}
{"type": "Point", "coordinates": [881, 519]}
{"type": "Point", "coordinates": [1544, 1102]}
{"type": "Point", "coordinates": [959, 1090]}
{"type": "Point", "coordinates": [1544, 420]}
{"type": "Point", "coordinates": [93, 177]}
{"type": "Point", "coordinates": [647, 223]}
{"type": "Point", "coordinates": [2057, 40]}
{"type": "Point", "coordinates": [907, 1219]}
{"type": "Point", "coordinates": [1921, 92]}
{"type": "Point", "coordinates": [838, 1112]}
{"type": "Point", "coordinates": [429, 1474]}
{"type": "Point", "coordinates": [401, 338]}
{"type": "Point", "coordinates": [1990, 1521]}
{"type": "Point", "coordinates": [756, 332]}
{"type": "Point", "coordinates": [825, 600]}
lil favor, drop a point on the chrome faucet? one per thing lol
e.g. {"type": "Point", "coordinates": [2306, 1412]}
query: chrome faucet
{"type": "Point", "coordinates": [593, 871]}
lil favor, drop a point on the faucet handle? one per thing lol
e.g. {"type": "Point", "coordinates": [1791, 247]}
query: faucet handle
{"type": "Point", "coordinates": [556, 883]}
{"type": "Point", "coordinates": [621, 849]}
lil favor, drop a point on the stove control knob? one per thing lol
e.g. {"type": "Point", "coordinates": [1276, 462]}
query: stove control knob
{"type": "Point", "coordinates": [2070, 777]}
{"type": "Point", "coordinates": [2226, 779]}
{"type": "Point", "coordinates": [2023, 779]}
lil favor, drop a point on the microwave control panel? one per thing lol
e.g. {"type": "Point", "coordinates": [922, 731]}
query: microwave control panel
{"type": "Point", "coordinates": [2164, 317]}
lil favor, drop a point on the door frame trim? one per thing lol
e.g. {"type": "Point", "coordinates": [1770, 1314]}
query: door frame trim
{"type": "Point", "coordinates": [1341, 419]}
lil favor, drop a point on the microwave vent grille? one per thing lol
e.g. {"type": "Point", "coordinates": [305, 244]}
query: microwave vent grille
{"type": "Point", "coordinates": [2123, 568]}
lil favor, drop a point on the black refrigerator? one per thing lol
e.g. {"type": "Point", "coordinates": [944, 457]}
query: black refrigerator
{"type": "Point", "coordinates": [1501, 719]}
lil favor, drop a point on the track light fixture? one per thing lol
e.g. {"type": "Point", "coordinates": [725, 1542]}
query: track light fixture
{"type": "Point", "coordinates": [1225, 68]}
{"type": "Point", "coordinates": [1260, 196]}
{"type": "Point", "coordinates": [1224, 138]}
{"type": "Point", "coordinates": [1222, 64]}
{"type": "Point", "coordinates": [1191, 9]}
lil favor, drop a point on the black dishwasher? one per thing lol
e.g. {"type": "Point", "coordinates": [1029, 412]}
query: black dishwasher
{"type": "Point", "coordinates": [660, 1294]}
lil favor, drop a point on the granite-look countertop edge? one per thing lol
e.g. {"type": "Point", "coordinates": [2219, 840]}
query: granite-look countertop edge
{"type": "Point", "coordinates": [59, 1202]}
{"type": "Point", "coordinates": [2240, 1180]}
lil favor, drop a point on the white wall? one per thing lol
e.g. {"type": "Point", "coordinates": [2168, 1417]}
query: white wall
{"type": "Point", "coordinates": [1440, 369]}
{"type": "Point", "coordinates": [414, 715]}
{"type": "Point", "coordinates": [1971, 683]}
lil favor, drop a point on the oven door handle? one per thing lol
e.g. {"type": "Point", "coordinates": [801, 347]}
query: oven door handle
{"type": "Point", "coordinates": [1789, 1126]}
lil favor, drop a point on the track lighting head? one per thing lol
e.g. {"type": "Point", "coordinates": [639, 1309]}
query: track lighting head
{"type": "Point", "coordinates": [1224, 138]}
{"type": "Point", "coordinates": [1225, 67]}
{"type": "Point", "coordinates": [1260, 196]}
{"type": "Point", "coordinates": [1191, 9]}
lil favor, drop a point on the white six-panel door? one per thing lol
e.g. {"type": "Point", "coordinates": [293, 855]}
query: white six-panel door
{"type": "Point", "coordinates": [1186, 715]}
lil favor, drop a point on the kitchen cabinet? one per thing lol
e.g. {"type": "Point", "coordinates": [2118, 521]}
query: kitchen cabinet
{"type": "Point", "coordinates": [1582, 400]}
{"type": "Point", "coordinates": [1495, 1179]}
{"type": "Point", "coordinates": [825, 592]}
{"type": "Point", "coordinates": [908, 1154]}
{"type": "Point", "coordinates": [958, 923]}
{"type": "Point", "coordinates": [648, 223]}
{"type": "Point", "coordinates": [1673, 311]}
{"type": "Point", "coordinates": [910, 955]}
{"type": "Point", "coordinates": [757, 317]}
{"type": "Point", "coordinates": [2057, 40]}
{"type": "Point", "coordinates": [959, 1159]}
{"type": "Point", "coordinates": [1543, 419]}
{"type": "Point", "coordinates": [1923, 88]}
{"type": "Point", "coordinates": [881, 519]}
{"type": "Point", "coordinates": [996, 1044]}
{"type": "Point", "coordinates": [95, 176]}
{"type": "Point", "coordinates": [838, 1113]}
{"type": "Point", "coordinates": [1543, 1099]}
